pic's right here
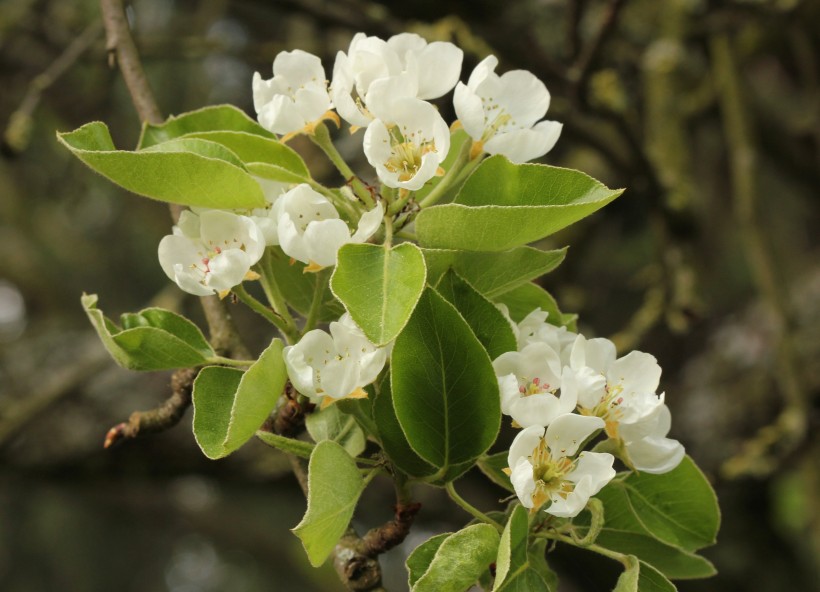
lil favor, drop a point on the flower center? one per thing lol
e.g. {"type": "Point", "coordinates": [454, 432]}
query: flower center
{"type": "Point", "coordinates": [406, 152]}
{"type": "Point", "coordinates": [548, 474]}
{"type": "Point", "coordinates": [533, 387]}
{"type": "Point", "coordinates": [608, 409]}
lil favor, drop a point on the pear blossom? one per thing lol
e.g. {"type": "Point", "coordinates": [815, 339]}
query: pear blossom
{"type": "Point", "coordinates": [336, 364]}
{"type": "Point", "coordinates": [622, 392]}
{"type": "Point", "coordinates": [543, 471]}
{"type": "Point", "coordinates": [528, 381]}
{"type": "Point", "coordinates": [403, 66]}
{"type": "Point", "coordinates": [309, 228]}
{"type": "Point", "coordinates": [407, 149]}
{"type": "Point", "coordinates": [534, 328]}
{"type": "Point", "coordinates": [296, 98]}
{"type": "Point", "coordinates": [210, 252]}
{"type": "Point", "coordinates": [500, 113]}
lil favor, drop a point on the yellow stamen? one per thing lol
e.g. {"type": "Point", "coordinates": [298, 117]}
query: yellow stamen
{"type": "Point", "coordinates": [312, 267]}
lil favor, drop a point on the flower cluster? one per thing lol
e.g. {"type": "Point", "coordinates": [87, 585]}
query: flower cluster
{"type": "Point", "coordinates": [385, 86]}
{"type": "Point", "coordinates": [563, 389]}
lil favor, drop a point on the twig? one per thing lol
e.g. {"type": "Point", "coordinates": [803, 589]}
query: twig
{"type": "Point", "coordinates": [18, 131]}
{"type": "Point", "coordinates": [161, 418]}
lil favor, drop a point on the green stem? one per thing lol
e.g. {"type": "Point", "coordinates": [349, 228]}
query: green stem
{"type": "Point", "coordinates": [466, 506]}
{"type": "Point", "coordinates": [388, 231]}
{"type": "Point", "coordinates": [316, 303]}
{"type": "Point", "coordinates": [398, 205]}
{"type": "Point", "coordinates": [321, 137]}
{"type": "Point", "coordinates": [266, 312]}
{"type": "Point", "coordinates": [274, 294]}
{"type": "Point", "coordinates": [459, 169]}
{"type": "Point", "coordinates": [620, 557]}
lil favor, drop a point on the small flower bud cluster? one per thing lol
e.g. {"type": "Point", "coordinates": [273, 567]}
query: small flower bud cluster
{"type": "Point", "coordinates": [564, 389]}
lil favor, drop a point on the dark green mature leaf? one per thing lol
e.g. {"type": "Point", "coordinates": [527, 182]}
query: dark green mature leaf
{"type": "Point", "coordinates": [230, 405]}
{"type": "Point", "coordinates": [490, 273]}
{"type": "Point", "coordinates": [526, 298]}
{"type": "Point", "coordinates": [392, 437]}
{"type": "Point", "coordinates": [153, 339]}
{"type": "Point", "coordinates": [445, 393]}
{"type": "Point", "coordinates": [460, 560]}
{"type": "Point", "coordinates": [297, 447]}
{"type": "Point", "coordinates": [334, 487]}
{"type": "Point", "coordinates": [331, 424]}
{"type": "Point", "coordinates": [488, 324]}
{"type": "Point", "coordinates": [379, 286]}
{"type": "Point", "coordinates": [207, 119]}
{"type": "Point", "coordinates": [504, 205]}
{"type": "Point", "coordinates": [493, 467]}
{"type": "Point", "coordinates": [212, 180]}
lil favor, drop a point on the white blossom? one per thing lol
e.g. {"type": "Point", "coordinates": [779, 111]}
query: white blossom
{"type": "Point", "coordinates": [534, 328]}
{"type": "Point", "coordinates": [310, 230]}
{"type": "Point", "coordinates": [334, 365]}
{"type": "Point", "coordinates": [622, 392]}
{"type": "Point", "coordinates": [528, 382]}
{"type": "Point", "coordinates": [407, 148]}
{"type": "Point", "coordinates": [210, 252]}
{"type": "Point", "coordinates": [296, 98]}
{"type": "Point", "coordinates": [501, 113]}
{"type": "Point", "coordinates": [542, 469]}
{"type": "Point", "coordinates": [403, 66]}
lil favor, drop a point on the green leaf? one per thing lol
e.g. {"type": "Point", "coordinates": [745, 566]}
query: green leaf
{"type": "Point", "coordinates": [188, 177]}
{"type": "Point", "coordinates": [504, 205]}
{"type": "Point", "coordinates": [331, 424]}
{"type": "Point", "coordinates": [230, 405]}
{"type": "Point", "coordinates": [513, 571]}
{"type": "Point", "coordinates": [526, 298]}
{"type": "Point", "coordinates": [493, 274]}
{"type": "Point", "coordinates": [392, 437]}
{"type": "Point", "coordinates": [379, 286]}
{"type": "Point", "coordinates": [218, 117]}
{"type": "Point", "coordinates": [445, 392]}
{"type": "Point", "coordinates": [538, 562]}
{"type": "Point", "coordinates": [419, 560]}
{"type": "Point", "coordinates": [641, 577]}
{"type": "Point", "coordinates": [296, 447]}
{"type": "Point", "coordinates": [493, 466]}
{"type": "Point", "coordinates": [362, 411]}
{"type": "Point", "coordinates": [460, 560]}
{"type": "Point", "coordinates": [334, 487]}
{"type": "Point", "coordinates": [251, 148]}
{"type": "Point", "coordinates": [679, 507]}
{"type": "Point", "coordinates": [298, 287]}
{"type": "Point", "coordinates": [153, 339]}
{"type": "Point", "coordinates": [486, 321]}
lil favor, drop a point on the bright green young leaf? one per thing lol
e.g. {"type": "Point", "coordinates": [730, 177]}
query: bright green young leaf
{"type": "Point", "coordinates": [419, 560]}
{"type": "Point", "coordinates": [379, 286]}
{"type": "Point", "coordinates": [251, 148]}
{"type": "Point", "coordinates": [298, 287]}
{"type": "Point", "coordinates": [527, 297]}
{"type": "Point", "coordinates": [227, 411]}
{"type": "Point", "coordinates": [153, 339]}
{"type": "Point", "coordinates": [392, 437]}
{"type": "Point", "coordinates": [445, 393]}
{"type": "Point", "coordinates": [460, 560]}
{"type": "Point", "coordinates": [200, 147]}
{"type": "Point", "coordinates": [186, 178]}
{"type": "Point", "coordinates": [334, 487]}
{"type": "Point", "coordinates": [208, 119]}
{"type": "Point", "coordinates": [641, 577]}
{"type": "Point", "coordinates": [513, 571]}
{"type": "Point", "coordinates": [493, 274]}
{"type": "Point", "coordinates": [486, 321]}
{"type": "Point", "coordinates": [504, 205]}
{"type": "Point", "coordinates": [493, 466]}
{"type": "Point", "coordinates": [331, 424]}
{"type": "Point", "coordinates": [298, 448]}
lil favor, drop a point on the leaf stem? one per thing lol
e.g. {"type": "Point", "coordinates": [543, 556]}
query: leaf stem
{"type": "Point", "coordinates": [388, 231]}
{"type": "Point", "coordinates": [274, 294]}
{"type": "Point", "coordinates": [553, 536]}
{"type": "Point", "coordinates": [469, 508]}
{"type": "Point", "coordinates": [321, 137]}
{"type": "Point", "coordinates": [277, 320]}
{"type": "Point", "coordinates": [316, 303]}
{"type": "Point", "coordinates": [230, 362]}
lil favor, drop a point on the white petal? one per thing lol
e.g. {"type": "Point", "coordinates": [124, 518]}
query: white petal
{"type": "Point", "coordinates": [290, 238]}
{"type": "Point", "coordinates": [369, 223]}
{"type": "Point", "coordinates": [313, 351]}
{"type": "Point", "coordinates": [655, 455]}
{"type": "Point", "coordinates": [484, 70]}
{"type": "Point", "coordinates": [188, 223]}
{"type": "Point", "coordinates": [523, 97]}
{"type": "Point", "coordinates": [312, 103]}
{"type": "Point", "coordinates": [376, 143]}
{"type": "Point", "coordinates": [281, 116]}
{"type": "Point", "coordinates": [537, 410]}
{"type": "Point", "coordinates": [228, 269]}
{"type": "Point", "coordinates": [439, 68]}
{"type": "Point", "coordinates": [522, 145]}
{"type": "Point", "coordinates": [323, 240]}
{"type": "Point", "coordinates": [340, 377]}
{"type": "Point", "coordinates": [299, 68]}
{"type": "Point", "coordinates": [524, 444]}
{"type": "Point", "coordinates": [636, 372]}
{"type": "Point", "coordinates": [522, 481]}
{"type": "Point", "coordinates": [469, 110]}
{"type": "Point", "coordinates": [567, 432]}
{"type": "Point", "coordinates": [596, 468]}
{"type": "Point", "coordinates": [384, 91]}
